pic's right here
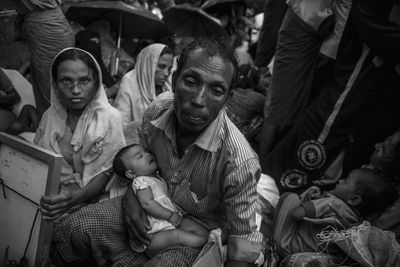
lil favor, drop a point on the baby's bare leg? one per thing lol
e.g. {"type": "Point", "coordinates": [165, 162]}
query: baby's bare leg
{"type": "Point", "coordinates": [168, 238]}
{"type": "Point", "coordinates": [189, 225]}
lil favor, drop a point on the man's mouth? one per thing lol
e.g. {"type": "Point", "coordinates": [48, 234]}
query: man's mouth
{"type": "Point", "coordinates": [194, 118]}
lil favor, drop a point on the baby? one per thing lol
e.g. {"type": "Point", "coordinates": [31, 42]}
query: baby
{"type": "Point", "coordinates": [167, 225]}
{"type": "Point", "coordinates": [362, 193]}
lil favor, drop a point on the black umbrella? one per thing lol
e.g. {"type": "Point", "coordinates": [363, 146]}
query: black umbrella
{"type": "Point", "coordinates": [129, 21]}
{"type": "Point", "coordinates": [188, 21]}
{"type": "Point", "coordinates": [221, 6]}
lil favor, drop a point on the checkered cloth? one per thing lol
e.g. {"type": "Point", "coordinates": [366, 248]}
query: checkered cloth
{"type": "Point", "coordinates": [96, 233]}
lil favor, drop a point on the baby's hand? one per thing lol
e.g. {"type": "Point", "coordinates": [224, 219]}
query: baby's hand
{"type": "Point", "coordinates": [312, 193]}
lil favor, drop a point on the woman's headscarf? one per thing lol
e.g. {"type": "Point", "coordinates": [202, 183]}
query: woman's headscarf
{"type": "Point", "coordinates": [97, 137]}
{"type": "Point", "coordinates": [138, 88]}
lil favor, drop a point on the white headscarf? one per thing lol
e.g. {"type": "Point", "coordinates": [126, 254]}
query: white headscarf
{"type": "Point", "coordinates": [138, 88]}
{"type": "Point", "coordinates": [97, 137]}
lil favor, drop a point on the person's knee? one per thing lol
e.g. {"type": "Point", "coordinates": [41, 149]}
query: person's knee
{"type": "Point", "coordinates": [15, 128]}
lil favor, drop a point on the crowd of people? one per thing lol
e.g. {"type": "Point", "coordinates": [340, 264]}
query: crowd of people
{"type": "Point", "coordinates": [288, 145]}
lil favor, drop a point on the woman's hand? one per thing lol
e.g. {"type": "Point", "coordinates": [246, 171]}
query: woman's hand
{"type": "Point", "coordinates": [135, 219]}
{"type": "Point", "coordinates": [54, 206]}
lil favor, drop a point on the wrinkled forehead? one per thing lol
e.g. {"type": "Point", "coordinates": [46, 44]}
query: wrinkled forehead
{"type": "Point", "coordinates": [199, 58]}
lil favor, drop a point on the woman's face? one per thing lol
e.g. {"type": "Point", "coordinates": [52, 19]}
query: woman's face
{"type": "Point", "coordinates": [383, 156]}
{"type": "Point", "coordinates": [75, 84]}
{"type": "Point", "coordinates": [163, 70]}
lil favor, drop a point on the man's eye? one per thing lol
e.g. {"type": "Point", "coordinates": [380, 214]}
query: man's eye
{"type": "Point", "coordinates": [218, 90]}
{"type": "Point", "coordinates": [190, 81]}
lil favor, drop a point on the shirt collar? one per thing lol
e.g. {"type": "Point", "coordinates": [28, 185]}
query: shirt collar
{"type": "Point", "coordinates": [208, 140]}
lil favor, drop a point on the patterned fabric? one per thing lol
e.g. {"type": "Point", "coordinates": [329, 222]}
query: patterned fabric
{"type": "Point", "coordinates": [214, 181]}
{"type": "Point", "coordinates": [99, 234]}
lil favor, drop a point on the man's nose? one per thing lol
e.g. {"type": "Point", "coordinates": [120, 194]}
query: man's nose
{"type": "Point", "coordinates": [199, 97]}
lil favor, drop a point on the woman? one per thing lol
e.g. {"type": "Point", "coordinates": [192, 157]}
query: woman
{"type": "Point", "coordinates": [83, 127]}
{"type": "Point", "coordinates": [146, 82]}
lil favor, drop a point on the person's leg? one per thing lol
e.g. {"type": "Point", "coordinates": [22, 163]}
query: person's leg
{"type": "Point", "coordinates": [6, 119]}
{"type": "Point", "coordinates": [168, 238]}
{"type": "Point", "coordinates": [29, 118]}
{"type": "Point", "coordinates": [47, 32]}
{"type": "Point", "coordinates": [95, 232]}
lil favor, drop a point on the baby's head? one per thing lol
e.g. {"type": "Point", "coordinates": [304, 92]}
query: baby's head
{"type": "Point", "coordinates": [366, 190]}
{"type": "Point", "coordinates": [134, 160]}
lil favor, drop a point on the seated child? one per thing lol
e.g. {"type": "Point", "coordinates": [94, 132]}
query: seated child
{"type": "Point", "coordinates": [167, 225]}
{"type": "Point", "coordinates": [297, 222]}
{"type": "Point", "coordinates": [27, 121]}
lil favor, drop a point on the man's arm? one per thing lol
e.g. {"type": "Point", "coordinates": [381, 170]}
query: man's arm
{"type": "Point", "coordinates": [244, 241]}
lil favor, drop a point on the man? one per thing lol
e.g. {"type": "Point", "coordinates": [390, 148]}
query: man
{"type": "Point", "coordinates": [210, 168]}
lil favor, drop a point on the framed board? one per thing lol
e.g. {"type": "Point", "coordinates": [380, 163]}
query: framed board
{"type": "Point", "coordinates": [27, 172]}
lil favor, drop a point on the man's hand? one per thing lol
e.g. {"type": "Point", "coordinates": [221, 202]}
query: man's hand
{"type": "Point", "coordinates": [135, 219]}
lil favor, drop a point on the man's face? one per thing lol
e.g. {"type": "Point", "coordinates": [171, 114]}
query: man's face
{"type": "Point", "coordinates": [384, 153]}
{"type": "Point", "coordinates": [201, 90]}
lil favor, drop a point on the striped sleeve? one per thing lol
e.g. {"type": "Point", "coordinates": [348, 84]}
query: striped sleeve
{"type": "Point", "coordinates": [244, 242]}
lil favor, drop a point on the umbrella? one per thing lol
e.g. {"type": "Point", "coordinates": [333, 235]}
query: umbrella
{"type": "Point", "coordinates": [221, 6]}
{"type": "Point", "coordinates": [188, 21]}
{"type": "Point", "coordinates": [130, 21]}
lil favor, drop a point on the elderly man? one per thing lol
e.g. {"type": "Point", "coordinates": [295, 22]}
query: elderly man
{"type": "Point", "coordinates": [210, 168]}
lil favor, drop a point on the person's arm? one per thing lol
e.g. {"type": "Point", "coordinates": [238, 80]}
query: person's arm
{"type": "Point", "coordinates": [11, 96]}
{"type": "Point", "coordinates": [244, 241]}
{"type": "Point", "coordinates": [152, 207]}
{"type": "Point", "coordinates": [53, 206]}
{"type": "Point", "coordinates": [135, 219]}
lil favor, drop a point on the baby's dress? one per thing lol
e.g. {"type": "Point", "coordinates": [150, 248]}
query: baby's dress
{"type": "Point", "coordinates": [159, 189]}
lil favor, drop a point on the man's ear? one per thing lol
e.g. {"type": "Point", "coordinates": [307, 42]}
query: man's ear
{"type": "Point", "coordinates": [130, 174]}
{"type": "Point", "coordinates": [355, 200]}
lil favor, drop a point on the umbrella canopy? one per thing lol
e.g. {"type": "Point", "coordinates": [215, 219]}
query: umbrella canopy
{"type": "Point", "coordinates": [188, 21]}
{"type": "Point", "coordinates": [127, 20]}
{"type": "Point", "coordinates": [221, 6]}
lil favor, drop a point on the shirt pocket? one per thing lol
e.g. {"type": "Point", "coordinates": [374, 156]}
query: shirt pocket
{"type": "Point", "coordinates": [188, 201]}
